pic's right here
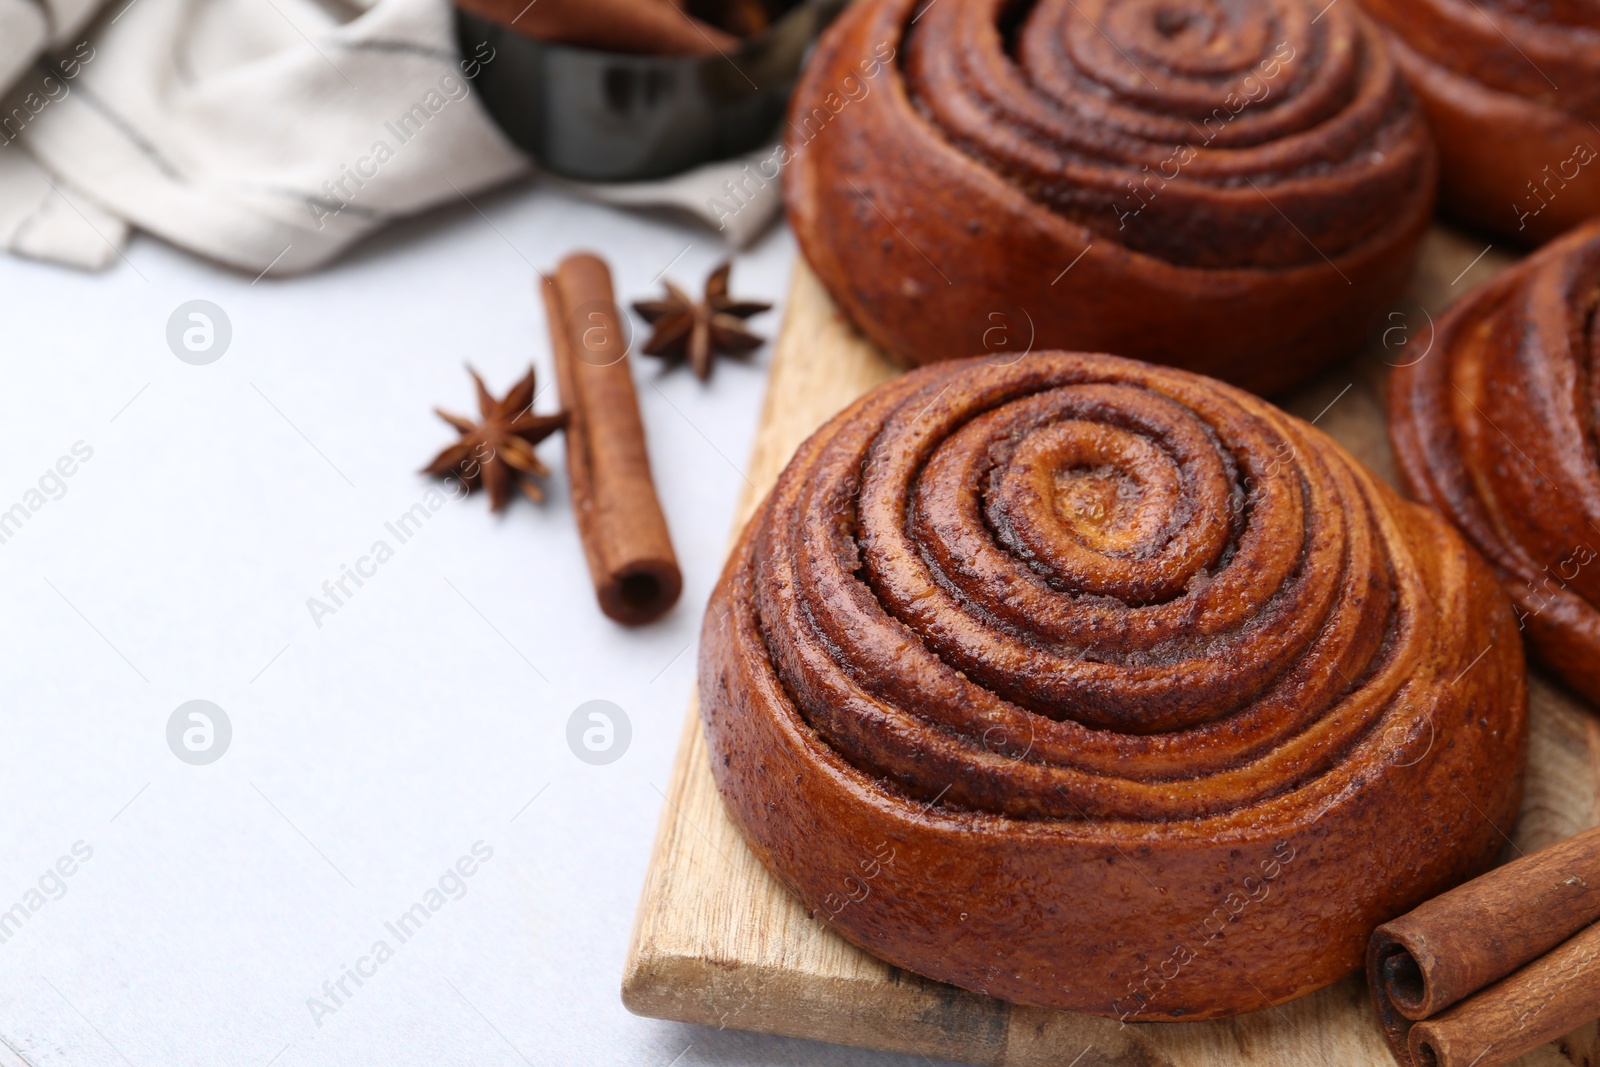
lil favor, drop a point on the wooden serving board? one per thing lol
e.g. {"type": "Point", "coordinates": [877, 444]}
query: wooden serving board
{"type": "Point", "coordinates": [719, 941]}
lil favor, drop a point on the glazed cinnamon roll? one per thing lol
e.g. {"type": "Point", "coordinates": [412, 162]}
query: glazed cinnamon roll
{"type": "Point", "coordinates": [1511, 89]}
{"type": "Point", "coordinates": [1496, 427]}
{"type": "Point", "coordinates": [1096, 685]}
{"type": "Point", "coordinates": [1228, 187]}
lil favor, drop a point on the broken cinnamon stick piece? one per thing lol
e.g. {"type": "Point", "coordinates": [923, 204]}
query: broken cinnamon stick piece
{"type": "Point", "coordinates": [1478, 934]}
{"type": "Point", "coordinates": [624, 532]}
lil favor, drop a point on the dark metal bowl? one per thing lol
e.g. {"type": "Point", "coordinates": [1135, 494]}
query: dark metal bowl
{"type": "Point", "coordinates": [609, 116]}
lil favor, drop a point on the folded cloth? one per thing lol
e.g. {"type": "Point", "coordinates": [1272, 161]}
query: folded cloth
{"type": "Point", "coordinates": [42, 218]}
{"type": "Point", "coordinates": [738, 197]}
{"type": "Point", "coordinates": [23, 32]}
{"type": "Point", "coordinates": [269, 135]}
{"type": "Point", "coordinates": [38, 215]}
{"type": "Point", "coordinates": [28, 28]}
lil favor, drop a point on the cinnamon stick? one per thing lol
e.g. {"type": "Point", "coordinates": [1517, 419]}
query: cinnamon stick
{"type": "Point", "coordinates": [1478, 955]}
{"type": "Point", "coordinates": [624, 532]}
{"type": "Point", "coordinates": [1553, 995]}
{"type": "Point", "coordinates": [642, 27]}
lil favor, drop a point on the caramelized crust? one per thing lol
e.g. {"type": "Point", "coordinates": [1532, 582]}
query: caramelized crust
{"type": "Point", "coordinates": [1232, 187]}
{"type": "Point", "coordinates": [1102, 686]}
{"type": "Point", "coordinates": [1495, 427]}
{"type": "Point", "coordinates": [1511, 89]}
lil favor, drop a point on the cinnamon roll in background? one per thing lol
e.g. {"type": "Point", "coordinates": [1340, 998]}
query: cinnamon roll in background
{"type": "Point", "coordinates": [1511, 89]}
{"type": "Point", "coordinates": [1496, 427]}
{"type": "Point", "coordinates": [1095, 685]}
{"type": "Point", "coordinates": [1230, 187]}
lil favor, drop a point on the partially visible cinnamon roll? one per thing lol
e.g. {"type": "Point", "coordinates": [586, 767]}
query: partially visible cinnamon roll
{"type": "Point", "coordinates": [1497, 427]}
{"type": "Point", "coordinates": [1511, 89]}
{"type": "Point", "coordinates": [1230, 187]}
{"type": "Point", "coordinates": [1102, 686]}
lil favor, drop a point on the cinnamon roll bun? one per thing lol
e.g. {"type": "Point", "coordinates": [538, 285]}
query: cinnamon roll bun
{"type": "Point", "coordinates": [1228, 187]}
{"type": "Point", "coordinates": [1511, 89]}
{"type": "Point", "coordinates": [1095, 685]}
{"type": "Point", "coordinates": [1496, 427]}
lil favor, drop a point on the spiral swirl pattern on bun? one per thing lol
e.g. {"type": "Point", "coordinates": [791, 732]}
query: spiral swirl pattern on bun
{"type": "Point", "coordinates": [1092, 648]}
{"type": "Point", "coordinates": [1231, 187]}
{"type": "Point", "coordinates": [1495, 426]}
{"type": "Point", "coordinates": [1511, 89]}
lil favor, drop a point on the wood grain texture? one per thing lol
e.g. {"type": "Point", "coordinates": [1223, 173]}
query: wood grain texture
{"type": "Point", "coordinates": [718, 941]}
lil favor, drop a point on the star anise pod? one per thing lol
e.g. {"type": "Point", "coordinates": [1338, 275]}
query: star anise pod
{"type": "Point", "coordinates": [685, 329]}
{"type": "Point", "coordinates": [496, 452]}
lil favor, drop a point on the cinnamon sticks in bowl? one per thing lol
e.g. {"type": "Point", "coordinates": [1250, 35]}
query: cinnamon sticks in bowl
{"type": "Point", "coordinates": [624, 532]}
{"type": "Point", "coordinates": [1496, 967]}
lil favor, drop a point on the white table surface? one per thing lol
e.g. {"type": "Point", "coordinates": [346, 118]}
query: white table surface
{"type": "Point", "coordinates": [368, 754]}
